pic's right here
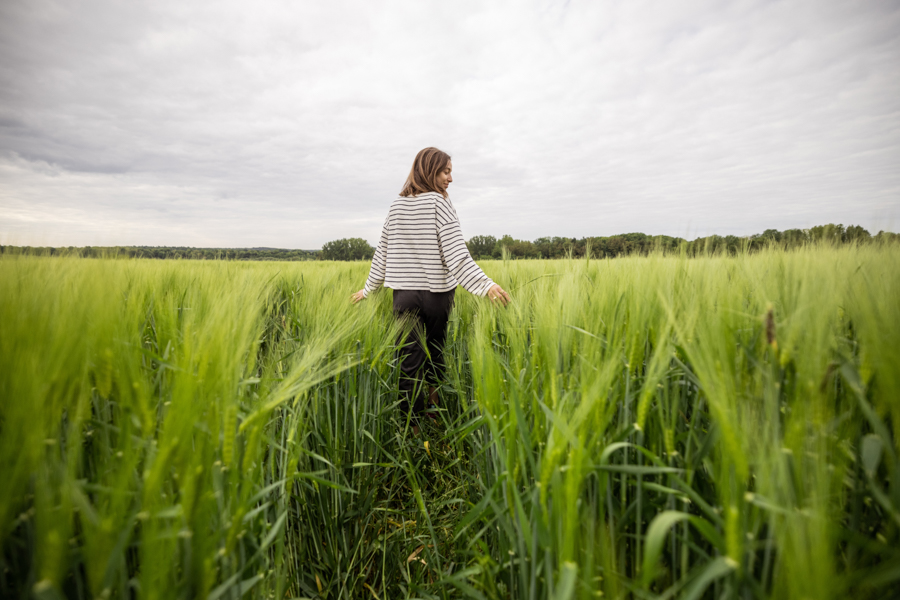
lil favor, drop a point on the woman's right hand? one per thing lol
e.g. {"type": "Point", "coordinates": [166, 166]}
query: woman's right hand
{"type": "Point", "coordinates": [360, 295]}
{"type": "Point", "coordinates": [498, 294]}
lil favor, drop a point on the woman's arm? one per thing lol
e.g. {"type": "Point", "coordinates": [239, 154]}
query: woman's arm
{"type": "Point", "coordinates": [377, 270]}
{"type": "Point", "coordinates": [458, 260]}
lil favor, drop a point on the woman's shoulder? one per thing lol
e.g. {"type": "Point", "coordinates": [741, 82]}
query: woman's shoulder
{"type": "Point", "coordinates": [438, 198]}
{"type": "Point", "coordinates": [423, 197]}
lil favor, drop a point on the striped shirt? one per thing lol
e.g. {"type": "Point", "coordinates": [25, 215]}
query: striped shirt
{"type": "Point", "coordinates": [422, 248]}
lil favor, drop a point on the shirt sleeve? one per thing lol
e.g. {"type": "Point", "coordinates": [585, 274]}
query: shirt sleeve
{"type": "Point", "coordinates": [455, 254]}
{"type": "Point", "coordinates": [376, 272]}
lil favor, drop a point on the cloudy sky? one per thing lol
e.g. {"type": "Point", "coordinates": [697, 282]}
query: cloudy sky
{"type": "Point", "coordinates": [291, 123]}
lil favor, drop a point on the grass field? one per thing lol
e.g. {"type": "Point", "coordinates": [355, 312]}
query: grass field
{"type": "Point", "coordinates": [646, 427]}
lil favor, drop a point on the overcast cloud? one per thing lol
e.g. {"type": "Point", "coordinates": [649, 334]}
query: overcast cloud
{"type": "Point", "coordinates": [288, 124]}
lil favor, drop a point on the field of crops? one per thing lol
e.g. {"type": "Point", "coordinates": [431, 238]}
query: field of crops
{"type": "Point", "coordinates": [647, 427]}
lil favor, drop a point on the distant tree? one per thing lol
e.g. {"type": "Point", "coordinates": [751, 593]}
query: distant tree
{"type": "Point", "coordinates": [551, 247]}
{"type": "Point", "coordinates": [855, 233]}
{"type": "Point", "coordinates": [710, 245]}
{"type": "Point", "coordinates": [347, 249]}
{"type": "Point", "coordinates": [766, 238]}
{"type": "Point", "coordinates": [886, 237]}
{"type": "Point", "coordinates": [771, 234]}
{"type": "Point", "coordinates": [516, 248]}
{"type": "Point", "coordinates": [481, 245]}
{"type": "Point", "coordinates": [794, 238]}
{"type": "Point", "coordinates": [505, 242]}
{"type": "Point", "coordinates": [616, 245]}
{"type": "Point", "coordinates": [733, 244]}
{"type": "Point", "coordinates": [831, 233]}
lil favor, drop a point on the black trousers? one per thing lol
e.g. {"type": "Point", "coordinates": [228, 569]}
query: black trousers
{"type": "Point", "coordinates": [420, 348]}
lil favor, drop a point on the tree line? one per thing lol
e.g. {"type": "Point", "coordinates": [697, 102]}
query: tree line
{"type": "Point", "coordinates": [488, 247]}
{"type": "Point", "coordinates": [164, 252]}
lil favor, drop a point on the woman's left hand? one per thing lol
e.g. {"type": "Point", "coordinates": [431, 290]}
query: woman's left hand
{"type": "Point", "coordinates": [360, 295]}
{"type": "Point", "coordinates": [498, 294]}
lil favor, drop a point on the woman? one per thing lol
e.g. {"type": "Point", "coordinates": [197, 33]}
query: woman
{"type": "Point", "coordinates": [422, 257]}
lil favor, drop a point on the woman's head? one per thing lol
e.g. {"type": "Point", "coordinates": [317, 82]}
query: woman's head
{"type": "Point", "coordinates": [430, 173]}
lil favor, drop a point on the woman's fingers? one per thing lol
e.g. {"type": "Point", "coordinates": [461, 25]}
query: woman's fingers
{"type": "Point", "coordinates": [498, 293]}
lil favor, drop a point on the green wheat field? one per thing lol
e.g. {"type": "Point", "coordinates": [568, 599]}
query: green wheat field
{"type": "Point", "coordinates": [644, 427]}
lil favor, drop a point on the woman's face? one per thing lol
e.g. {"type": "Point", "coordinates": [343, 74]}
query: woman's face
{"type": "Point", "coordinates": [444, 177]}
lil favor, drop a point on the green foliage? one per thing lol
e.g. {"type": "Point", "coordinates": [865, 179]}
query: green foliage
{"type": "Point", "coordinates": [481, 246]}
{"type": "Point", "coordinates": [163, 252]}
{"type": "Point", "coordinates": [347, 249]}
{"type": "Point", "coordinates": [487, 247]}
{"type": "Point", "coordinates": [644, 427]}
{"type": "Point", "coordinates": [642, 244]}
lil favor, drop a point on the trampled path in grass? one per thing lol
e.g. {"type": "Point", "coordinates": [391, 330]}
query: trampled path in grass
{"type": "Point", "coordinates": [646, 427]}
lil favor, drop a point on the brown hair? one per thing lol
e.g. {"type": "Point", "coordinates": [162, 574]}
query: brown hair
{"type": "Point", "coordinates": [423, 175]}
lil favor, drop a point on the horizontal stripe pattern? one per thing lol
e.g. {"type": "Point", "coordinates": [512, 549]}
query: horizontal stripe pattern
{"type": "Point", "coordinates": [422, 248]}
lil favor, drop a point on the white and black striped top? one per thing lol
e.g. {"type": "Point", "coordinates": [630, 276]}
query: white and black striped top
{"type": "Point", "coordinates": [422, 248]}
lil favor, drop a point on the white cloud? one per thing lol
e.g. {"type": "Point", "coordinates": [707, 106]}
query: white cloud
{"type": "Point", "coordinates": [291, 123]}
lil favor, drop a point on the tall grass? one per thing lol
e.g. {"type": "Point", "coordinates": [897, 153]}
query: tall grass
{"type": "Point", "coordinates": [652, 427]}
